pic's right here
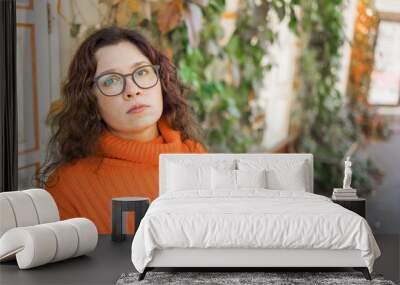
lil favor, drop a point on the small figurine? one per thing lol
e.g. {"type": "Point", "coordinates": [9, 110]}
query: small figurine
{"type": "Point", "coordinates": [347, 174]}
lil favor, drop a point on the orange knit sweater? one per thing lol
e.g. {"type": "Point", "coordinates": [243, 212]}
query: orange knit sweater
{"type": "Point", "coordinates": [129, 168]}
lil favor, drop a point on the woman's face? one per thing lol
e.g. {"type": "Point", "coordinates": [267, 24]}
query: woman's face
{"type": "Point", "coordinates": [124, 58]}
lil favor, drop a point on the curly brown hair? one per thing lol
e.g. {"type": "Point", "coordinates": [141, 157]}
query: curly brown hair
{"type": "Point", "coordinates": [74, 119]}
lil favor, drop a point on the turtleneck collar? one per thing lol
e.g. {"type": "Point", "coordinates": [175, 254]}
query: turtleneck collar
{"type": "Point", "coordinates": [169, 141]}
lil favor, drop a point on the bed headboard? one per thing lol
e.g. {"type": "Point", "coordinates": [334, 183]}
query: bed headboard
{"type": "Point", "coordinates": [215, 158]}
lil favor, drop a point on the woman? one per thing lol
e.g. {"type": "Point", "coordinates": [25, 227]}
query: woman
{"type": "Point", "coordinates": [122, 105]}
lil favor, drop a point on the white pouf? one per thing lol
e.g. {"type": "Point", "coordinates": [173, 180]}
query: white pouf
{"type": "Point", "coordinates": [31, 232]}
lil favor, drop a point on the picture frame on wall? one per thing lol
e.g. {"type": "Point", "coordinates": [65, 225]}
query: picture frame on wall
{"type": "Point", "coordinates": [384, 87]}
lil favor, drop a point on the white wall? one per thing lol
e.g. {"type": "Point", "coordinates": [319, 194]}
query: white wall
{"type": "Point", "coordinates": [392, 6]}
{"type": "Point", "coordinates": [349, 15]}
{"type": "Point", "coordinates": [277, 94]}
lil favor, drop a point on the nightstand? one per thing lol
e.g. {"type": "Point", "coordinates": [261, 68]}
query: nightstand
{"type": "Point", "coordinates": [356, 205]}
{"type": "Point", "coordinates": [120, 206]}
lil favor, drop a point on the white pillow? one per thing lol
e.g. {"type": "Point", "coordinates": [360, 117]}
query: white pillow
{"type": "Point", "coordinates": [223, 179]}
{"type": "Point", "coordinates": [216, 162]}
{"type": "Point", "coordinates": [295, 180]}
{"type": "Point", "coordinates": [229, 179]}
{"type": "Point", "coordinates": [182, 177]}
{"type": "Point", "coordinates": [251, 178]}
{"type": "Point", "coordinates": [282, 174]}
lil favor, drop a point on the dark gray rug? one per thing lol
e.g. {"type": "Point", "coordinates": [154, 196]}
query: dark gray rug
{"type": "Point", "coordinates": [229, 278]}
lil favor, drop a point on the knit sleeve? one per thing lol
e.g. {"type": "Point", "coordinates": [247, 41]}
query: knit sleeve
{"type": "Point", "coordinates": [60, 189]}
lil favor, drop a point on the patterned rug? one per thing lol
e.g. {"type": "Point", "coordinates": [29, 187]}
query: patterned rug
{"type": "Point", "coordinates": [230, 278]}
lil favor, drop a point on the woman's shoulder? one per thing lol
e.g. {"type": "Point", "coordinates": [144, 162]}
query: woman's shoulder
{"type": "Point", "coordinates": [73, 170]}
{"type": "Point", "coordinates": [195, 147]}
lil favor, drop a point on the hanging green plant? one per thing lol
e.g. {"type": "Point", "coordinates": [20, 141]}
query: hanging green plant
{"type": "Point", "coordinates": [325, 122]}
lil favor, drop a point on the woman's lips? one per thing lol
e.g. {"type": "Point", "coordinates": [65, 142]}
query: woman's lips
{"type": "Point", "coordinates": [138, 109]}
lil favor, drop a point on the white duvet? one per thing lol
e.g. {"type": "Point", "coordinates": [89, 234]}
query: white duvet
{"type": "Point", "coordinates": [252, 218]}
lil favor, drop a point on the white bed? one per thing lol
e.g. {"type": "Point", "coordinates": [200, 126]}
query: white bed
{"type": "Point", "coordinates": [282, 224]}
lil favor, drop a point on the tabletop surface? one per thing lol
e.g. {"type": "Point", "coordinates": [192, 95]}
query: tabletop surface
{"type": "Point", "coordinates": [351, 199]}
{"type": "Point", "coordinates": [130, 199]}
{"type": "Point", "coordinates": [104, 265]}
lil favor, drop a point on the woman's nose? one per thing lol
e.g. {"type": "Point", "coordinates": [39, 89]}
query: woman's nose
{"type": "Point", "coordinates": [131, 89]}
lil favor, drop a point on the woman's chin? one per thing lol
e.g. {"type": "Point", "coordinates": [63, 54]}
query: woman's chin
{"type": "Point", "coordinates": [141, 123]}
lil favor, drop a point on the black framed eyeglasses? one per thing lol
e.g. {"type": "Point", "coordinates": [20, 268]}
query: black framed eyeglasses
{"type": "Point", "coordinates": [114, 83]}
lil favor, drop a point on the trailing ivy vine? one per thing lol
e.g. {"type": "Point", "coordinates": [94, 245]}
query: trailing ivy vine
{"type": "Point", "coordinates": [325, 119]}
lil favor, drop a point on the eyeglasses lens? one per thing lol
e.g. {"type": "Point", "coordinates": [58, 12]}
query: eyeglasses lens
{"type": "Point", "coordinates": [113, 84]}
{"type": "Point", "coordinates": [145, 77]}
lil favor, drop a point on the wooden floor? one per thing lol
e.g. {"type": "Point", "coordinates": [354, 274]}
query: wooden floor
{"type": "Point", "coordinates": [106, 264]}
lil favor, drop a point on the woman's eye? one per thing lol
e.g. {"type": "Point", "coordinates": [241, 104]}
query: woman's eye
{"type": "Point", "coordinates": [142, 72]}
{"type": "Point", "coordinates": [108, 82]}
{"type": "Point", "coordinates": [111, 80]}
